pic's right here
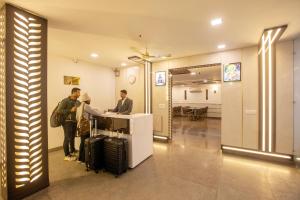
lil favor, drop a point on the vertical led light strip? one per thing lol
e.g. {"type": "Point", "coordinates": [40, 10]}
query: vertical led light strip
{"type": "Point", "coordinates": [263, 94]}
{"type": "Point", "coordinates": [148, 86]}
{"type": "Point", "coordinates": [268, 87]}
{"type": "Point", "coordinates": [270, 92]}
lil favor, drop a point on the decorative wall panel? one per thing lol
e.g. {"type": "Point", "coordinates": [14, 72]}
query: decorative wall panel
{"type": "Point", "coordinates": [26, 102]}
{"type": "Point", "coordinates": [267, 69]}
{"type": "Point", "coordinates": [2, 106]}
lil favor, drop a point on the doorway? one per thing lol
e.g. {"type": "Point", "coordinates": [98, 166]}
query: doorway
{"type": "Point", "coordinates": [195, 106]}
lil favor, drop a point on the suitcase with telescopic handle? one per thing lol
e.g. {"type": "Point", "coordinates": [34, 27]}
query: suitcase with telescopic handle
{"type": "Point", "coordinates": [116, 155]}
{"type": "Point", "coordinates": [93, 146]}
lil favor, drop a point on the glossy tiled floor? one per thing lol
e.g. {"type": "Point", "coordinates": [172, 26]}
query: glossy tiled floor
{"type": "Point", "coordinates": [191, 167]}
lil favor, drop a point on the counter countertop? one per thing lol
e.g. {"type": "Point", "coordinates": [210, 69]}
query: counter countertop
{"type": "Point", "coordinates": [120, 116]}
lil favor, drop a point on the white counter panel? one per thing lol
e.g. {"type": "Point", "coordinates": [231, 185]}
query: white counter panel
{"type": "Point", "coordinates": [140, 139]}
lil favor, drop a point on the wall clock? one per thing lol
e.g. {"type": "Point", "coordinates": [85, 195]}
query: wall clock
{"type": "Point", "coordinates": [132, 79]}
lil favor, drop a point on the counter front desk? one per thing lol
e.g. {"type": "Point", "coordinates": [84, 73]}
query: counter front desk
{"type": "Point", "coordinates": [136, 128]}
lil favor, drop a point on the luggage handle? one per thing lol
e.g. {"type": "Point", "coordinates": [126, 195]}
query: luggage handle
{"type": "Point", "coordinates": [126, 154]}
{"type": "Point", "coordinates": [91, 126]}
{"type": "Point", "coordinates": [96, 127]}
{"type": "Point", "coordinates": [92, 134]}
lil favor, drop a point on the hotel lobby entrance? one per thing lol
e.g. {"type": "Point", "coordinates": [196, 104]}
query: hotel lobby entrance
{"type": "Point", "coordinates": [194, 100]}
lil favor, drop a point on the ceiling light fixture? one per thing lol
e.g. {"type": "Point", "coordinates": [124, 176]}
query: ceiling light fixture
{"type": "Point", "coordinates": [216, 21]}
{"type": "Point", "coordinates": [221, 46]}
{"type": "Point", "coordinates": [94, 55]}
{"type": "Point", "coordinates": [123, 64]}
{"type": "Point", "coordinates": [193, 73]}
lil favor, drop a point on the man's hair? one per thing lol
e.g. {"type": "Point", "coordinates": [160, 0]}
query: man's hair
{"type": "Point", "coordinates": [75, 90]}
{"type": "Point", "coordinates": [124, 91]}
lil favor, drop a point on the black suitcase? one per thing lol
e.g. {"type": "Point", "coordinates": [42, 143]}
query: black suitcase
{"type": "Point", "coordinates": [116, 155]}
{"type": "Point", "coordinates": [93, 147]}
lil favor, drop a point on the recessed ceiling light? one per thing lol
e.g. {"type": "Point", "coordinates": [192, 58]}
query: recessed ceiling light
{"type": "Point", "coordinates": [216, 21]}
{"type": "Point", "coordinates": [94, 55]}
{"type": "Point", "coordinates": [221, 46]}
{"type": "Point", "coordinates": [193, 73]}
{"type": "Point", "coordinates": [123, 64]}
{"type": "Point", "coordinates": [205, 81]}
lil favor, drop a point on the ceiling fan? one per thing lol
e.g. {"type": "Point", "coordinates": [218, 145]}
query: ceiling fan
{"type": "Point", "coordinates": [145, 55]}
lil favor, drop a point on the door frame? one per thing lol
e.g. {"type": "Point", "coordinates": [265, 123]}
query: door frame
{"type": "Point", "coordinates": [170, 86]}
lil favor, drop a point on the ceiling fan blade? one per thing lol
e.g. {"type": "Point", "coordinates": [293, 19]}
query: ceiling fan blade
{"type": "Point", "coordinates": [164, 56]}
{"type": "Point", "coordinates": [151, 56]}
{"type": "Point", "coordinates": [135, 49]}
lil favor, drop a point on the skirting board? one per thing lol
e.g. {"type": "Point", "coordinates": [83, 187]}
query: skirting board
{"type": "Point", "coordinates": [54, 149]}
{"type": "Point", "coordinates": [257, 156]}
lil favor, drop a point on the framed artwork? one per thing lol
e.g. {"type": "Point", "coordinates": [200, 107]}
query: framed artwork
{"type": "Point", "coordinates": [71, 80]}
{"type": "Point", "coordinates": [160, 78]}
{"type": "Point", "coordinates": [232, 72]}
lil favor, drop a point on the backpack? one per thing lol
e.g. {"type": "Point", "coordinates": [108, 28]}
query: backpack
{"type": "Point", "coordinates": [56, 118]}
{"type": "Point", "coordinates": [83, 126]}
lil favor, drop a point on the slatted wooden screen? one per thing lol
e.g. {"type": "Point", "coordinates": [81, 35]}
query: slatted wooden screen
{"type": "Point", "coordinates": [24, 105]}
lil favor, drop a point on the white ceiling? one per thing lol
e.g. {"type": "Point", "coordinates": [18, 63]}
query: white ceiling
{"type": "Point", "coordinates": [109, 27]}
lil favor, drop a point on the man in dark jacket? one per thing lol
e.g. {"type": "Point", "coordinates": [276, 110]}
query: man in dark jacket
{"type": "Point", "coordinates": [67, 108]}
{"type": "Point", "coordinates": [124, 105]}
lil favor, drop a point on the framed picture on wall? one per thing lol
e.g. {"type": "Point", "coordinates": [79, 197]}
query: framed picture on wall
{"type": "Point", "coordinates": [160, 78]}
{"type": "Point", "coordinates": [232, 72]}
{"type": "Point", "coordinates": [71, 80]}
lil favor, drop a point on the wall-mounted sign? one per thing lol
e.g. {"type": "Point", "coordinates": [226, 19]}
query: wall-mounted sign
{"type": "Point", "coordinates": [232, 72]}
{"type": "Point", "coordinates": [160, 78]}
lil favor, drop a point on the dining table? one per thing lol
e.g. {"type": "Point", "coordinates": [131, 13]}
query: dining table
{"type": "Point", "coordinates": [193, 110]}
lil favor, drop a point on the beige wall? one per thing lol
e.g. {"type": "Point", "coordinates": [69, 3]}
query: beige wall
{"type": "Point", "coordinates": [160, 100]}
{"type": "Point", "coordinates": [98, 81]}
{"type": "Point", "coordinates": [284, 97]}
{"type": "Point", "coordinates": [250, 98]}
{"type": "Point", "coordinates": [297, 96]}
{"type": "Point", "coordinates": [136, 90]}
{"type": "Point", "coordinates": [239, 99]}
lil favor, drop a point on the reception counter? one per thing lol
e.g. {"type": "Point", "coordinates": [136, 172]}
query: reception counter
{"type": "Point", "coordinates": [137, 128]}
